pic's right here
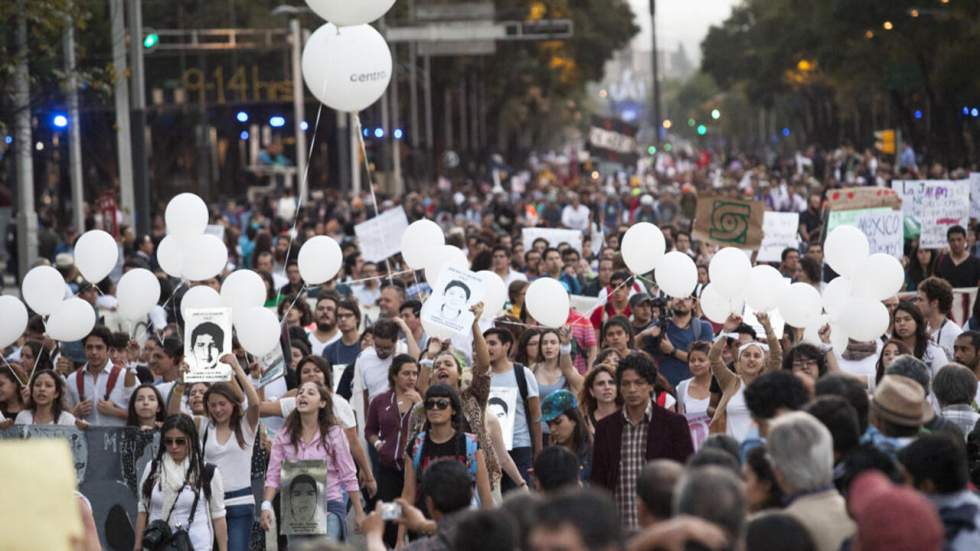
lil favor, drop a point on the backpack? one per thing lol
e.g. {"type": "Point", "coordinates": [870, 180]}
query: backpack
{"type": "Point", "coordinates": [521, 378]}
{"type": "Point", "coordinates": [466, 444]}
{"type": "Point", "coordinates": [109, 386]}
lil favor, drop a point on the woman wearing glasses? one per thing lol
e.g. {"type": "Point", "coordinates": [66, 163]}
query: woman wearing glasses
{"type": "Point", "coordinates": [442, 440]}
{"type": "Point", "coordinates": [180, 489]}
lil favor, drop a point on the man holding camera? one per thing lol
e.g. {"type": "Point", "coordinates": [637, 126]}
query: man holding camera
{"type": "Point", "coordinates": [669, 340]}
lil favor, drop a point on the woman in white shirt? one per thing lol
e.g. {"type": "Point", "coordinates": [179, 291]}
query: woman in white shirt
{"type": "Point", "coordinates": [694, 394]}
{"type": "Point", "coordinates": [47, 403]}
{"type": "Point", "coordinates": [180, 489]}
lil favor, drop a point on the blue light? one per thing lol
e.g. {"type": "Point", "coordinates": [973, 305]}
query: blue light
{"type": "Point", "coordinates": [8, 140]}
{"type": "Point", "coordinates": [975, 112]}
{"type": "Point", "coordinates": [786, 132]}
{"type": "Point", "coordinates": [277, 121]}
{"type": "Point", "coordinates": [244, 135]}
{"type": "Point", "coordinates": [379, 132]}
{"type": "Point", "coordinates": [304, 126]}
{"type": "Point", "coordinates": [918, 114]}
{"type": "Point", "coordinates": [365, 132]}
{"type": "Point", "coordinates": [59, 120]}
{"type": "Point", "coordinates": [399, 134]}
{"type": "Point", "coordinates": [242, 116]}
{"type": "Point", "coordinates": [966, 110]}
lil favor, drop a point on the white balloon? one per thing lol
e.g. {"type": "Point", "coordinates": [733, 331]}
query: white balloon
{"type": "Point", "coordinates": [319, 260]}
{"type": "Point", "coordinates": [812, 333]}
{"type": "Point", "coordinates": [96, 254]}
{"type": "Point", "coordinates": [865, 319]}
{"type": "Point", "coordinates": [845, 249]}
{"type": "Point", "coordinates": [436, 330]}
{"type": "Point", "coordinates": [204, 258]}
{"type": "Point", "coordinates": [879, 277]}
{"type": "Point", "coordinates": [71, 321]}
{"type": "Point", "coordinates": [137, 292]}
{"type": "Point", "coordinates": [643, 245]}
{"type": "Point", "coordinates": [170, 255]}
{"type": "Point", "coordinates": [547, 301]}
{"type": "Point", "coordinates": [258, 330]}
{"type": "Point", "coordinates": [43, 289]}
{"type": "Point", "coordinates": [837, 295]}
{"type": "Point", "coordinates": [347, 69]}
{"type": "Point", "coordinates": [241, 290]}
{"type": "Point", "coordinates": [729, 271]}
{"type": "Point", "coordinates": [717, 307]}
{"type": "Point", "coordinates": [420, 240]}
{"type": "Point", "coordinates": [676, 274]}
{"type": "Point", "coordinates": [14, 315]}
{"type": "Point", "coordinates": [494, 293]}
{"type": "Point", "coordinates": [444, 257]}
{"type": "Point", "coordinates": [200, 296]}
{"type": "Point", "coordinates": [800, 305]}
{"type": "Point", "coordinates": [838, 338]}
{"type": "Point", "coordinates": [350, 12]}
{"type": "Point", "coordinates": [186, 215]}
{"type": "Point", "coordinates": [765, 289]}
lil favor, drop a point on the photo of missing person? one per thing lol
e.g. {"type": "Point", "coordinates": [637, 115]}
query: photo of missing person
{"type": "Point", "coordinates": [302, 507]}
{"type": "Point", "coordinates": [454, 299]}
{"type": "Point", "coordinates": [449, 305]}
{"type": "Point", "coordinates": [206, 342]}
{"type": "Point", "coordinates": [502, 404]}
{"type": "Point", "coordinates": [207, 337]}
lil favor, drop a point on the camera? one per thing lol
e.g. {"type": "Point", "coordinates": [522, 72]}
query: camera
{"type": "Point", "coordinates": [391, 511]}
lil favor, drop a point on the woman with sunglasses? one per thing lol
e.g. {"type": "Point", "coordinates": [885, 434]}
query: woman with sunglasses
{"type": "Point", "coordinates": [311, 432]}
{"type": "Point", "coordinates": [180, 489]}
{"type": "Point", "coordinates": [442, 440]}
{"type": "Point", "coordinates": [567, 429]}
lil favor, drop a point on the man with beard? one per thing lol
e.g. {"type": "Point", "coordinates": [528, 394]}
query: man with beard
{"type": "Point", "coordinates": [679, 332]}
{"type": "Point", "coordinates": [325, 316]}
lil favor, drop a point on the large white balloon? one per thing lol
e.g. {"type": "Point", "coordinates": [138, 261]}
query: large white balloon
{"type": "Point", "coordinates": [138, 292]}
{"type": "Point", "coordinates": [350, 12]}
{"type": "Point", "coordinates": [676, 274]}
{"type": "Point", "coordinates": [319, 260]}
{"type": "Point", "coordinates": [729, 271]}
{"type": "Point", "coordinates": [765, 289]}
{"type": "Point", "coordinates": [643, 245]}
{"type": "Point", "coordinates": [880, 277]}
{"type": "Point", "coordinates": [845, 249]}
{"type": "Point", "coordinates": [43, 289]}
{"type": "Point", "coordinates": [547, 301]}
{"type": "Point", "coordinates": [204, 258]}
{"type": "Point", "coordinates": [421, 239]}
{"type": "Point", "coordinates": [200, 296]}
{"type": "Point", "coordinates": [717, 307]}
{"type": "Point", "coordinates": [14, 315]}
{"type": "Point", "coordinates": [812, 333]}
{"type": "Point", "coordinates": [444, 257]}
{"type": "Point", "coordinates": [494, 294]}
{"type": "Point", "coordinates": [800, 305]}
{"type": "Point", "coordinates": [170, 255]}
{"type": "Point", "coordinates": [186, 215]}
{"type": "Point", "coordinates": [71, 321]}
{"type": "Point", "coordinates": [838, 338]}
{"type": "Point", "coordinates": [258, 330]}
{"type": "Point", "coordinates": [837, 295]}
{"type": "Point", "coordinates": [241, 290]}
{"type": "Point", "coordinates": [864, 319]}
{"type": "Point", "coordinates": [96, 254]}
{"type": "Point", "coordinates": [435, 330]}
{"type": "Point", "coordinates": [347, 69]}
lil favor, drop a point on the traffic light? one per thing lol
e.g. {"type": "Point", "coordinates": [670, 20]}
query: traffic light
{"type": "Point", "coordinates": [150, 41]}
{"type": "Point", "coordinates": [885, 142]}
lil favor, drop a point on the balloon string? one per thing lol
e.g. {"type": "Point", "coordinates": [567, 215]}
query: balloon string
{"type": "Point", "coordinates": [14, 370]}
{"type": "Point", "coordinates": [367, 167]}
{"type": "Point", "coordinates": [628, 281]}
{"type": "Point", "coordinates": [296, 298]}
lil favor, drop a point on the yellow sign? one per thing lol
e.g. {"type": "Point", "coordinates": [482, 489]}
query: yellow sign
{"type": "Point", "coordinates": [217, 87]}
{"type": "Point", "coordinates": [885, 142]}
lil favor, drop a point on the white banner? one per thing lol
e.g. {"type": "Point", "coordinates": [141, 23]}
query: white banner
{"type": "Point", "coordinates": [381, 236]}
{"type": "Point", "coordinates": [937, 205]}
{"type": "Point", "coordinates": [554, 236]}
{"type": "Point", "coordinates": [779, 231]}
{"type": "Point", "coordinates": [975, 195]}
{"type": "Point", "coordinates": [882, 226]}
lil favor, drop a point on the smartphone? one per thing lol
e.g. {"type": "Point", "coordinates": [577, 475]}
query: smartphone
{"type": "Point", "coordinates": [390, 511]}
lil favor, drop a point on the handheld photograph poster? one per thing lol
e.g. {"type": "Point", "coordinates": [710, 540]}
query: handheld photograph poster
{"type": "Point", "coordinates": [302, 498]}
{"type": "Point", "coordinates": [273, 366]}
{"type": "Point", "coordinates": [502, 404]}
{"type": "Point", "coordinates": [207, 337]}
{"type": "Point", "coordinates": [449, 304]}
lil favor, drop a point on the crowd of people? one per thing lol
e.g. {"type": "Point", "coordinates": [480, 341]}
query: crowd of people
{"type": "Point", "coordinates": [638, 424]}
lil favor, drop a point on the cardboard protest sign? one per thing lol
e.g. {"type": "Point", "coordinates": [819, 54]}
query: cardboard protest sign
{"type": "Point", "coordinates": [554, 236]}
{"type": "Point", "coordinates": [729, 222]}
{"type": "Point", "coordinates": [207, 337]}
{"type": "Point", "coordinates": [381, 236]}
{"type": "Point", "coordinates": [780, 230]}
{"type": "Point", "coordinates": [449, 304]}
{"type": "Point", "coordinates": [974, 195]}
{"type": "Point", "coordinates": [304, 484]}
{"type": "Point", "coordinates": [273, 366]}
{"type": "Point", "coordinates": [503, 405]}
{"type": "Point", "coordinates": [882, 226]}
{"type": "Point", "coordinates": [936, 205]}
{"type": "Point", "coordinates": [853, 198]}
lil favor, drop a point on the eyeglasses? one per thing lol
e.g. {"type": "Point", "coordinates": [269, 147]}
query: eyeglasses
{"type": "Point", "coordinates": [437, 404]}
{"type": "Point", "coordinates": [175, 441]}
{"type": "Point", "coordinates": [805, 364]}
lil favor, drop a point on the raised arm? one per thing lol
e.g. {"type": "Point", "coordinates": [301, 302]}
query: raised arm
{"type": "Point", "coordinates": [481, 356]}
{"type": "Point", "coordinates": [413, 347]}
{"type": "Point", "coordinates": [252, 412]}
{"type": "Point", "coordinates": [775, 362]}
{"type": "Point", "coordinates": [572, 376]}
{"type": "Point", "coordinates": [718, 368]}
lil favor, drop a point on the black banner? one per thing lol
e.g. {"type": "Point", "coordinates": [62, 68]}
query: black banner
{"type": "Point", "coordinates": [613, 140]}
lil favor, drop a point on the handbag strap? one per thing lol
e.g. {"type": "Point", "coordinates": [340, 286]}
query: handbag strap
{"type": "Point", "coordinates": [174, 505]}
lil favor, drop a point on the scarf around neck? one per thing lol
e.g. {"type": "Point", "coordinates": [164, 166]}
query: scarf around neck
{"type": "Point", "coordinates": [173, 477]}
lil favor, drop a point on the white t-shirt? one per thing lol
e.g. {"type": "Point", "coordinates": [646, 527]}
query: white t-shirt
{"type": "Point", "coordinates": [374, 371]}
{"type": "Point", "coordinates": [693, 407]}
{"type": "Point", "coordinates": [575, 218]}
{"type": "Point", "coordinates": [94, 390]}
{"type": "Point", "coordinates": [341, 410]}
{"type": "Point", "coordinates": [234, 461]}
{"type": "Point", "coordinates": [317, 346]}
{"type": "Point", "coordinates": [864, 368]}
{"type": "Point", "coordinates": [25, 417]}
{"type": "Point", "coordinates": [738, 422]}
{"type": "Point", "coordinates": [200, 531]}
{"type": "Point", "coordinates": [945, 336]}
{"type": "Point", "coordinates": [512, 276]}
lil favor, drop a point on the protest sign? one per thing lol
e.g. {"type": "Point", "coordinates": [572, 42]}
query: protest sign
{"type": "Point", "coordinates": [207, 337]}
{"type": "Point", "coordinates": [780, 231]}
{"type": "Point", "coordinates": [936, 205]}
{"type": "Point", "coordinates": [449, 304]}
{"type": "Point", "coordinates": [882, 226]}
{"type": "Point", "coordinates": [975, 195]}
{"type": "Point", "coordinates": [301, 507]}
{"type": "Point", "coordinates": [866, 197]}
{"type": "Point", "coordinates": [273, 366]}
{"type": "Point", "coordinates": [554, 236]}
{"type": "Point", "coordinates": [726, 221]}
{"type": "Point", "coordinates": [381, 236]}
{"type": "Point", "coordinates": [613, 140]}
{"type": "Point", "coordinates": [502, 404]}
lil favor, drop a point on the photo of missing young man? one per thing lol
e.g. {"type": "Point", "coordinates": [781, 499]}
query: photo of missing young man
{"type": "Point", "coordinates": [302, 505]}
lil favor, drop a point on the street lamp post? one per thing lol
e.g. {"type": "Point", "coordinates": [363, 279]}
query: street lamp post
{"type": "Point", "coordinates": [299, 107]}
{"type": "Point", "coordinates": [656, 73]}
